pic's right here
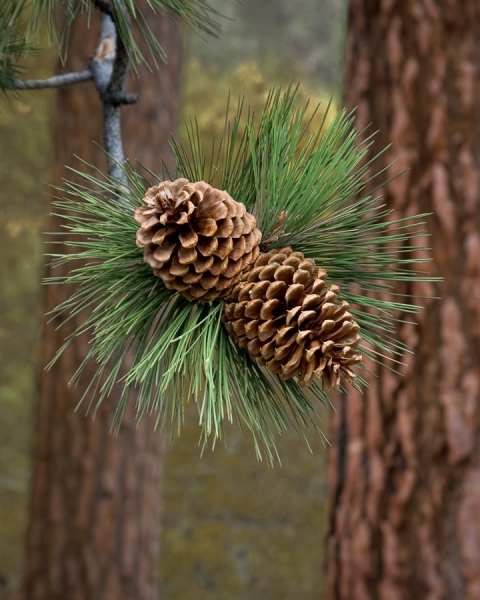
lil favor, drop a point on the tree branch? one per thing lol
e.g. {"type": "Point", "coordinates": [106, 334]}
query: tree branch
{"type": "Point", "coordinates": [53, 82]}
{"type": "Point", "coordinates": [103, 68]}
{"type": "Point", "coordinates": [102, 63]}
{"type": "Point", "coordinates": [110, 68]}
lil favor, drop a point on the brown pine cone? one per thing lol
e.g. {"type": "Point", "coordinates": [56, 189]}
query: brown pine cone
{"type": "Point", "coordinates": [196, 238]}
{"type": "Point", "coordinates": [291, 321]}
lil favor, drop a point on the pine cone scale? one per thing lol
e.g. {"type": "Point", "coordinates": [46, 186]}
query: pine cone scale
{"type": "Point", "coordinates": [188, 238]}
{"type": "Point", "coordinates": [225, 227]}
{"type": "Point", "coordinates": [164, 252]}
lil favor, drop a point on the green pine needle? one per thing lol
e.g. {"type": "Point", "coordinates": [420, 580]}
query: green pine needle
{"type": "Point", "coordinates": [180, 351]}
{"type": "Point", "coordinates": [196, 13]}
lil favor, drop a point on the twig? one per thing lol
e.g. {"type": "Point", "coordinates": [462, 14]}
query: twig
{"type": "Point", "coordinates": [53, 82]}
{"type": "Point", "coordinates": [110, 68]}
{"type": "Point", "coordinates": [101, 64]}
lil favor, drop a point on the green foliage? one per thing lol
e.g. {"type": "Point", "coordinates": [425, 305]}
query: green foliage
{"type": "Point", "coordinates": [13, 41]}
{"type": "Point", "coordinates": [196, 13]}
{"type": "Point", "coordinates": [22, 22]}
{"type": "Point", "coordinates": [205, 92]}
{"type": "Point", "coordinates": [317, 180]}
{"type": "Point", "coordinates": [180, 350]}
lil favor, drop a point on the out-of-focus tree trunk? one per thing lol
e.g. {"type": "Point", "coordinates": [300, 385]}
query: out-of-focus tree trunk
{"type": "Point", "coordinates": [405, 464]}
{"type": "Point", "coordinates": [94, 516]}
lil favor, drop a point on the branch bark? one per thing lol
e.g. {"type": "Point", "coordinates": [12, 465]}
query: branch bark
{"type": "Point", "coordinates": [110, 69]}
{"type": "Point", "coordinates": [53, 82]}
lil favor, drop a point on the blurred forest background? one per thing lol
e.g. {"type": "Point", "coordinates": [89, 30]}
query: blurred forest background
{"type": "Point", "coordinates": [232, 528]}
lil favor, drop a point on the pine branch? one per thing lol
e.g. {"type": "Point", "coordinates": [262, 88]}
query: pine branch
{"type": "Point", "coordinates": [125, 13]}
{"type": "Point", "coordinates": [195, 13]}
{"type": "Point", "coordinates": [181, 350]}
{"type": "Point", "coordinates": [53, 82]}
{"type": "Point", "coordinates": [17, 33]}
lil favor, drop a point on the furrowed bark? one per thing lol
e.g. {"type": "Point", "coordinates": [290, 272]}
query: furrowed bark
{"type": "Point", "coordinates": [94, 514]}
{"type": "Point", "coordinates": [405, 464]}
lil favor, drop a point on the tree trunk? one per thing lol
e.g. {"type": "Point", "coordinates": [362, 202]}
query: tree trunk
{"type": "Point", "coordinates": [94, 515]}
{"type": "Point", "coordinates": [404, 486]}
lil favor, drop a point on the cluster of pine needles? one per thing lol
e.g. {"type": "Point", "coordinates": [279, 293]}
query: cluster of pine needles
{"type": "Point", "coordinates": [25, 22]}
{"type": "Point", "coordinates": [306, 191]}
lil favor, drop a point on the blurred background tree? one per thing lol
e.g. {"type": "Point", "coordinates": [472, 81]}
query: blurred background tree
{"type": "Point", "coordinates": [95, 497]}
{"type": "Point", "coordinates": [25, 162]}
{"type": "Point", "coordinates": [231, 527]}
{"type": "Point", "coordinates": [404, 483]}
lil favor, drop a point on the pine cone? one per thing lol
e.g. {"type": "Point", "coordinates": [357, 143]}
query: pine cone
{"type": "Point", "coordinates": [291, 321]}
{"type": "Point", "coordinates": [196, 238]}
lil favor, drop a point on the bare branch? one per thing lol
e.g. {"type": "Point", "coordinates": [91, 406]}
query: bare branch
{"type": "Point", "coordinates": [102, 63]}
{"type": "Point", "coordinates": [53, 82]}
{"type": "Point", "coordinates": [119, 98]}
{"type": "Point", "coordinates": [109, 68]}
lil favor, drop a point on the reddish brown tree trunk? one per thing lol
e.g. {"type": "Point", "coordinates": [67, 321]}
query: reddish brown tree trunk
{"type": "Point", "coordinates": [94, 520]}
{"type": "Point", "coordinates": [405, 464]}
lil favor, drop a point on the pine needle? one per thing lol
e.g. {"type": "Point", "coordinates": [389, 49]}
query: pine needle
{"type": "Point", "coordinates": [196, 13]}
{"type": "Point", "coordinates": [307, 192]}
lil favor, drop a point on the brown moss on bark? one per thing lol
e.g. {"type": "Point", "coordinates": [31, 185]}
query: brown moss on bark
{"type": "Point", "coordinates": [405, 464]}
